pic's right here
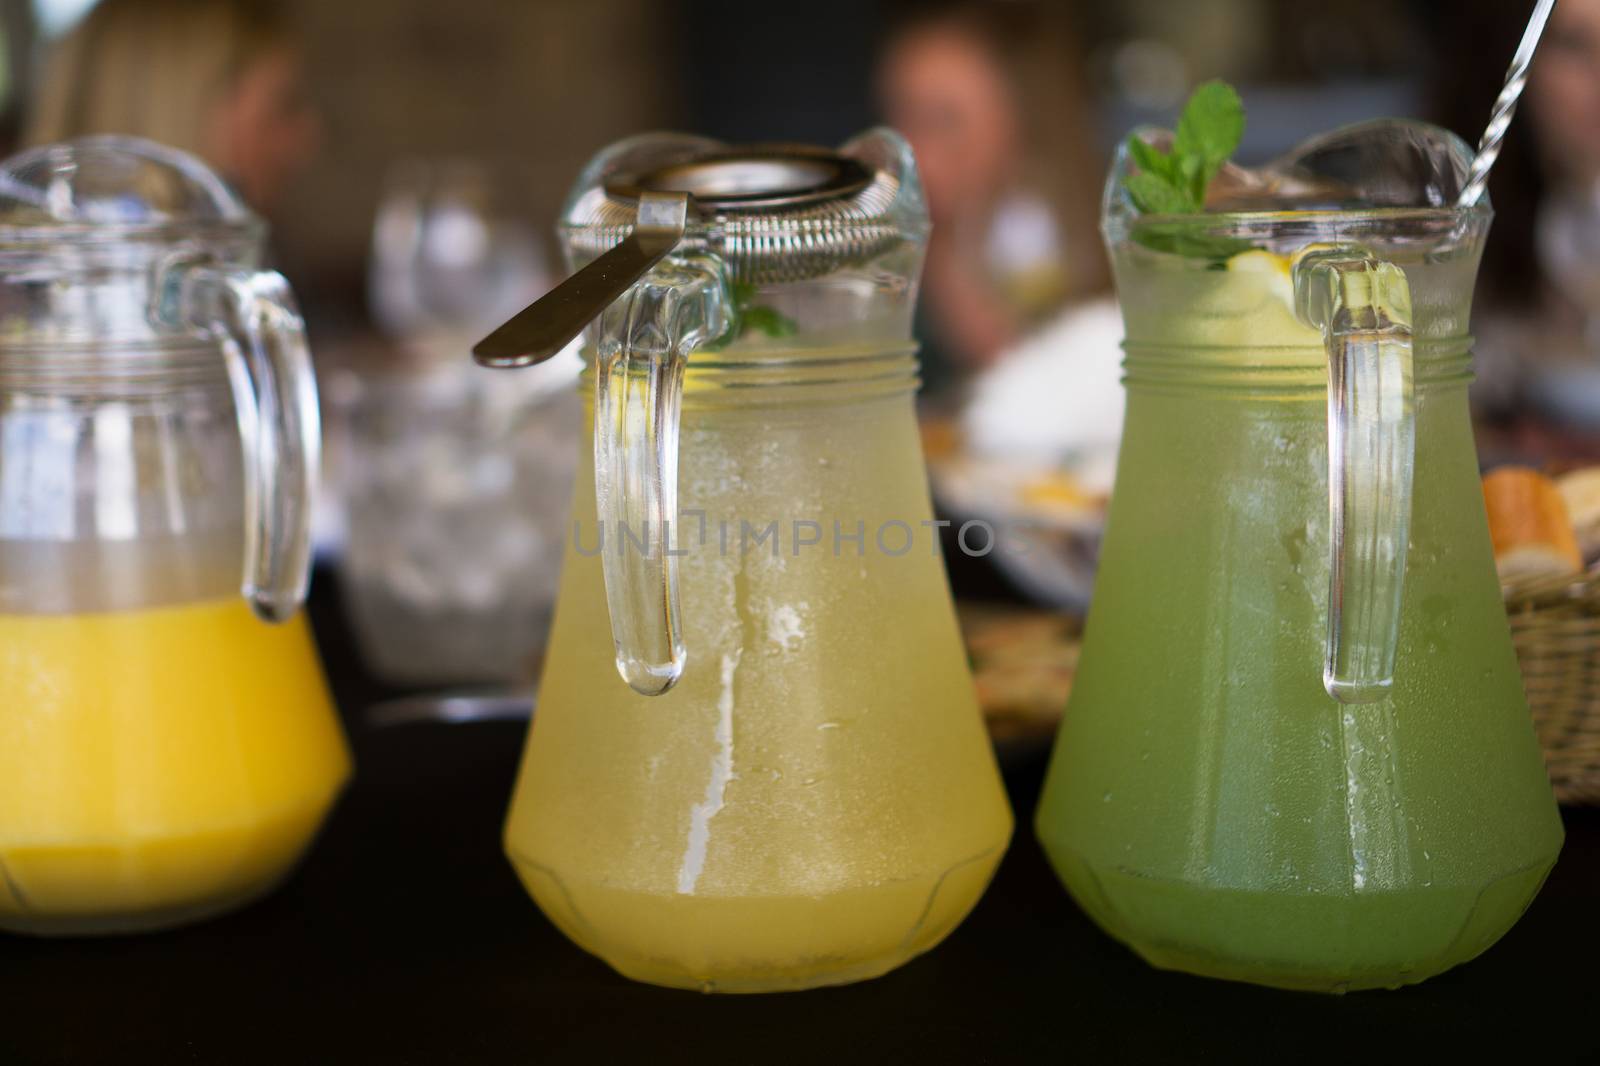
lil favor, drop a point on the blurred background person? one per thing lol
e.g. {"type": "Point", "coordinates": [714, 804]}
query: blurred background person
{"type": "Point", "coordinates": [454, 132]}
{"type": "Point", "coordinates": [1564, 105]}
{"type": "Point", "coordinates": [992, 98]}
{"type": "Point", "coordinates": [1537, 315]}
{"type": "Point", "coordinates": [222, 79]}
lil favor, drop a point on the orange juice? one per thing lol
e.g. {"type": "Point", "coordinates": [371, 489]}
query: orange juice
{"type": "Point", "coordinates": [156, 765]}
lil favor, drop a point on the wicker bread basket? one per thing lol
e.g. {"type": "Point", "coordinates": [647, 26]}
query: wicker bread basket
{"type": "Point", "coordinates": [1555, 627]}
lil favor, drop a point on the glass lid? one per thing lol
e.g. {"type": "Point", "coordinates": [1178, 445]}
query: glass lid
{"type": "Point", "coordinates": [112, 188]}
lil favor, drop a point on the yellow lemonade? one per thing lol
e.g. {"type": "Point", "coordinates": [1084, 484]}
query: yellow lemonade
{"type": "Point", "coordinates": [156, 765]}
{"type": "Point", "coordinates": [816, 801]}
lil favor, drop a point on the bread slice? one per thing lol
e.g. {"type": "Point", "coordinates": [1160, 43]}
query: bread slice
{"type": "Point", "coordinates": [1528, 525]}
{"type": "Point", "coordinates": [1581, 491]}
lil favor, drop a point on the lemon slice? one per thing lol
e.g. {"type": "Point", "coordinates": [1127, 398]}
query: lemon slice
{"type": "Point", "coordinates": [1267, 272]}
{"type": "Point", "coordinates": [1259, 261]}
{"type": "Point", "coordinates": [1253, 305]}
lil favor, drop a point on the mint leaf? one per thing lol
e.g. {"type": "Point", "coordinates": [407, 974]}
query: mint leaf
{"type": "Point", "coordinates": [1150, 158]}
{"type": "Point", "coordinates": [769, 321]}
{"type": "Point", "coordinates": [1195, 179]}
{"type": "Point", "coordinates": [1210, 128]}
{"type": "Point", "coordinates": [1153, 194]}
{"type": "Point", "coordinates": [1175, 182]}
{"type": "Point", "coordinates": [762, 319]}
{"type": "Point", "coordinates": [1189, 240]}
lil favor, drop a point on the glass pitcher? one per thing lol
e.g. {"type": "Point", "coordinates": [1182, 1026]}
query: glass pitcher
{"type": "Point", "coordinates": [791, 784]}
{"type": "Point", "coordinates": [167, 748]}
{"type": "Point", "coordinates": [1297, 752]}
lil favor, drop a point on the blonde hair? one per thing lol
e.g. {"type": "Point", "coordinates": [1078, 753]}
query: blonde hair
{"type": "Point", "coordinates": [152, 68]}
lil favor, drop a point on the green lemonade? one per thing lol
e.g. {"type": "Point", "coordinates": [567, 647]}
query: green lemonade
{"type": "Point", "coordinates": [1208, 803]}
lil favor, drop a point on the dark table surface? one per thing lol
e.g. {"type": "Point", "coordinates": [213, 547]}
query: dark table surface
{"type": "Point", "coordinates": [405, 938]}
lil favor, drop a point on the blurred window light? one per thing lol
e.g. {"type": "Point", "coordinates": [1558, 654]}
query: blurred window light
{"type": "Point", "coordinates": [56, 17]}
{"type": "Point", "coordinates": [1024, 234]}
{"type": "Point", "coordinates": [456, 236]}
{"type": "Point", "coordinates": [1149, 73]}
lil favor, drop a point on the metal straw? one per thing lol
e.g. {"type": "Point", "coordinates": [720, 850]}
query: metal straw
{"type": "Point", "coordinates": [1505, 106]}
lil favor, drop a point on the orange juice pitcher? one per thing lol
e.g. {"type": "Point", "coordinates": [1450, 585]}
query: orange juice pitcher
{"type": "Point", "coordinates": [167, 747]}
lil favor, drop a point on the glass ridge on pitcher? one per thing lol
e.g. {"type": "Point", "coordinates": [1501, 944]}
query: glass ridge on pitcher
{"type": "Point", "coordinates": [167, 745]}
{"type": "Point", "coordinates": [1297, 751]}
{"type": "Point", "coordinates": [790, 785]}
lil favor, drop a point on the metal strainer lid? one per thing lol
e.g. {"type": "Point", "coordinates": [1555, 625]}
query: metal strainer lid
{"type": "Point", "coordinates": [771, 212]}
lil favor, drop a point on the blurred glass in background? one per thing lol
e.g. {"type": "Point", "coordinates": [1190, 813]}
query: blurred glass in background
{"type": "Point", "coordinates": [455, 252]}
{"type": "Point", "coordinates": [453, 479]}
{"type": "Point", "coordinates": [455, 486]}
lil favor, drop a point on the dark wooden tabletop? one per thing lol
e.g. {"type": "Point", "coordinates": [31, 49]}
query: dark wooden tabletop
{"type": "Point", "coordinates": [405, 938]}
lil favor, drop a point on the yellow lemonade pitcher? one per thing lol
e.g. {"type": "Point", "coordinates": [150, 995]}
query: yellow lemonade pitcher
{"type": "Point", "coordinates": [790, 784]}
{"type": "Point", "coordinates": [167, 747]}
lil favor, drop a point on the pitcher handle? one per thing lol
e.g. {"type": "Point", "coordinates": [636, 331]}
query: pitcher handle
{"type": "Point", "coordinates": [253, 314]}
{"type": "Point", "coordinates": [644, 340]}
{"type": "Point", "coordinates": [1362, 305]}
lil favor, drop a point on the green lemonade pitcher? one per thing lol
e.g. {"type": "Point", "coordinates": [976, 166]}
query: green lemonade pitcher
{"type": "Point", "coordinates": [1298, 751]}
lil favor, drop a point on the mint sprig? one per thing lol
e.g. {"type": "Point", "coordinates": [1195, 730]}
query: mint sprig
{"type": "Point", "coordinates": [1174, 181]}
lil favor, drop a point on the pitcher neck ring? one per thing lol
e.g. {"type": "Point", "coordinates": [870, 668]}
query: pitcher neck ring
{"type": "Point", "coordinates": [792, 377]}
{"type": "Point", "coordinates": [1280, 371]}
